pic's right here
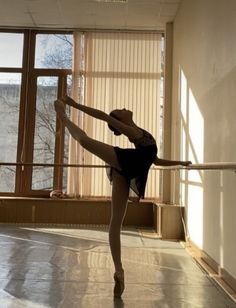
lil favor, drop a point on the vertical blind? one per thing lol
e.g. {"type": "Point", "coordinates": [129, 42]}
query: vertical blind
{"type": "Point", "coordinates": [119, 70]}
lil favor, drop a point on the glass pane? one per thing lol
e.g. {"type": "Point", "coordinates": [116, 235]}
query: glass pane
{"type": "Point", "coordinates": [10, 86]}
{"type": "Point", "coordinates": [53, 51]}
{"type": "Point", "coordinates": [11, 49]}
{"type": "Point", "coordinates": [7, 179]}
{"type": "Point", "coordinates": [44, 134]}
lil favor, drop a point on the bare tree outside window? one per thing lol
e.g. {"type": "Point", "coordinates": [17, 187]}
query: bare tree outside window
{"type": "Point", "coordinates": [53, 51]}
{"type": "Point", "coordinates": [57, 53]}
{"type": "Point", "coordinates": [10, 85]}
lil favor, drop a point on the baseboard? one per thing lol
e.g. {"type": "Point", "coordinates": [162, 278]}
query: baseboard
{"type": "Point", "coordinates": [71, 211]}
{"type": "Point", "coordinates": [226, 281]}
{"type": "Point", "coordinates": [165, 219]}
{"type": "Point", "coordinates": [229, 279]}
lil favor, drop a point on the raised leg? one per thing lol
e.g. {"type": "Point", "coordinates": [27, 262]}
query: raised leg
{"type": "Point", "coordinates": [102, 150]}
{"type": "Point", "coordinates": [120, 192]}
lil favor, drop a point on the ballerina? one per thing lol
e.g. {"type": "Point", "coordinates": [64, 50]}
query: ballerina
{"type": "Point", "coordinates": [128, 167]}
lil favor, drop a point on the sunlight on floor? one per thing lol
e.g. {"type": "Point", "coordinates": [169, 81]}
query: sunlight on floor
{"type": "Point", "coordinates": [72, 267]}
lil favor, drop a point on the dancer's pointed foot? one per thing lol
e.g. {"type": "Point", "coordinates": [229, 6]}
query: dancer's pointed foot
{"type": "Point", "coordinates": [60, 109]}
{"type": "Point", "coordinates": [119, 283]}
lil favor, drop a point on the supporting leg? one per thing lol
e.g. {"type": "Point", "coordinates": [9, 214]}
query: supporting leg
{"type": "Point", "coordinates": [120, 192]}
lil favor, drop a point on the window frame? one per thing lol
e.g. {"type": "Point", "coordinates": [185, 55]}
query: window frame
{"type": "Point", "coordinates": [29, 75]}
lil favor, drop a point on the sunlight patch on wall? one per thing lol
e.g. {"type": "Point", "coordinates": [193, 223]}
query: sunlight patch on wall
{"type": "Point", "coordinates": [195, 214]}
{"type": "Point", "coordinates": [191, 148]}
{"type": "Point", "coordinates": [196, 137]}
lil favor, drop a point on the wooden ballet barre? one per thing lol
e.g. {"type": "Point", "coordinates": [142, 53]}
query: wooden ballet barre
{"type": "Point", "coordinates": [53, 165]}
{"type": "Point", "coordinates": [206, 166]}
{"type": "Point", "coordinates": [213, 166]}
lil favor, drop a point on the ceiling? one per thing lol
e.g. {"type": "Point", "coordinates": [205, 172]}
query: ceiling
{"type": "Point", "coordinates": [96, 14]}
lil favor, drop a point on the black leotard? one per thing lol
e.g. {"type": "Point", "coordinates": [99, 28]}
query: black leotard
{"type": "Point", "coordinates": [135, 163]}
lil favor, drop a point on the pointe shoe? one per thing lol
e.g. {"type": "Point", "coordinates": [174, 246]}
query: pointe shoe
{"type": "Point", "coordinates": [119, 284]}
{"type": "Point", "coordinates": [60, 110]}
{"type": "Point", "coordinates": [59, 106]}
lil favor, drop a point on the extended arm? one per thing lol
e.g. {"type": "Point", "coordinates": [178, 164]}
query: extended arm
{"type": "Point", "coordinates": [127, 130]}
{"type": "Point", "coordinates": [165, 162]}
{"type": "Point", "coordinates": [96, 113]}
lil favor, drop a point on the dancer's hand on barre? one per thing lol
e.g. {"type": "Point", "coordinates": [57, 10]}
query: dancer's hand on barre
{"type": "Point", "coordinates": [166, 162]}
{"type": "Point", "coordinates": [186, 163]}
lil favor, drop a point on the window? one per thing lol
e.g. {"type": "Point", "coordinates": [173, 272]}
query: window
{"type": "Point", "coordinates": [11, 49]}
{"type": "Point", "coordinates": [44, 132]}
{"type": "Point", "coordinates": [53, 51]}
{"type": "Point", "coordinates": [10, 89]}
{"type": "Point", "coordinates": [28, 121]}
{"type": "Point", "coordinates": [110, 70]}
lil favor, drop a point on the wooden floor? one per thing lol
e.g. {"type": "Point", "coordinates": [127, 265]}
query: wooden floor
{"type": "Point", "coordinates": [42, 267]}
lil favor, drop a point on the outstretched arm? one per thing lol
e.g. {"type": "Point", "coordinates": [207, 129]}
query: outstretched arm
{"type": "Point", "coordinates": [165, 162]}
{"type": "Point", "coordinates": [127, 130]}
{"type": "Point", "coordinates": [96, 113]}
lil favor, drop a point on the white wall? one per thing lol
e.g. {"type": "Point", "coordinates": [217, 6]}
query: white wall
{"type": "Point", "coordinates": [204, 122]}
